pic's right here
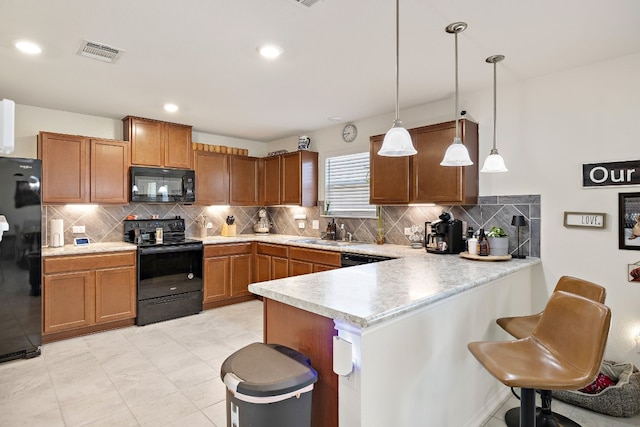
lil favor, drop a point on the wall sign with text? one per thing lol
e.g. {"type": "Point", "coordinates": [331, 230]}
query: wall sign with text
{"type": "Point", "coordinates": [584, 219]}
{"type": "Point", "coordinates": [612, 173]}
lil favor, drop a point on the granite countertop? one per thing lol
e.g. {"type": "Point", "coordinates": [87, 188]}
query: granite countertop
{"type": "Point", "coordinates": [92, 248]}
{"type": "Point", "coordinates": [367, 295]}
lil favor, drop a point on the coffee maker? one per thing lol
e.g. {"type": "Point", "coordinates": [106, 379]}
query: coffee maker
{"type": "Point", "coordinates": [444, 236]}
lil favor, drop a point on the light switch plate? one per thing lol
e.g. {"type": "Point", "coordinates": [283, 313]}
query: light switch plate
{"type": "Point", "coordinates": [407, 231]}
{"type": "Point", "coordinates": [78, 229]}
{"type": "Point", "coordinates": [315, 224]}
{"type": "Point", "coordinates": [301, 224]}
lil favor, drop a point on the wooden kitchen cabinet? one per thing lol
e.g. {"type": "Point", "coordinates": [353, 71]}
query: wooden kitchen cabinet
{"type": "Point", "coordinates": [80, 169]}
{"type": "Point", "coordinates": [212, 178]}
{"type": "Point", "coordinates": [307, 261]}
{"type": "Point", "coordinates": [299, 178]}
{"type": "Point", "coordinates": [228, 271]}
{"type": "Point", "coordinates": [157, 143]}
{"type": "Point", "coordinates": [243, 181]}
{"type": "Point", "coordinates": [88, 293]}
{"type": "Point", "coordinates": [270, 187]}
{"type": "Point", "coordinates": [433, 183]}
{"type": "Point", "coordinates": [271, 262]}
{"type": "Point", "coordinates": [389, 176]}
{"type": "Point", "coordinates": [420, 178]}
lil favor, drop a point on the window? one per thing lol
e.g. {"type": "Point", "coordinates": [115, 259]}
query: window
{"type": "Point", "coordinates": [347, 186]}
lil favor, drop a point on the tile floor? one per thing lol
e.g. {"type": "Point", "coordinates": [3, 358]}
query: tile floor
{"type": "Point", "coordinates": [165, 374]}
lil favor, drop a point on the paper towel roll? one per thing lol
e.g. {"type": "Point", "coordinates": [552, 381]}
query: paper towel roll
{"type": "Point", "coordinates": [57, 233]}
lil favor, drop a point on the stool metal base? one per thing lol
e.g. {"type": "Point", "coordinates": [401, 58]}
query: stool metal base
{"type": "Point", "coordinates": [543, 419]}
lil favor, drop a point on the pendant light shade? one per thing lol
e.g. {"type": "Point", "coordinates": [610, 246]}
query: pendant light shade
{"type": "Point", "coordinates": [457, 154]}
{"type": "Point", "coordinates": [494, 163]}
{"type": "Point", "coordinates": [397, 141]}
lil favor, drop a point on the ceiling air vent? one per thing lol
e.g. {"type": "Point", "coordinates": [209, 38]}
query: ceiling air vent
{"type": "Point", "coordinates": [307, 3]}
{"type": "Point", "coordinates": [99, 51]}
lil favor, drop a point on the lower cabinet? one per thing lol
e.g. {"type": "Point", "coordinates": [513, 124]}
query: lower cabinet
{"type": "Point", "coordinates": [228, 271]}
{"type": "Point", "coordinates": [306, 261]}
{"type": "Point", "coordinates": [272, 262]}
{"type": "Point", "coordinates": [88, 293]}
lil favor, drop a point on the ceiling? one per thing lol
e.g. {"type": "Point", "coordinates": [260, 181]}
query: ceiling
{"type": "Point", "coordinates": [338, 60]}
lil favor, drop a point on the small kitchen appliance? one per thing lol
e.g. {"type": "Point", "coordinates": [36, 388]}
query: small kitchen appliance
{"type": "Point", "coordinates": [262, 226]}
{"type": "Point", "coordinates": [444, 236]}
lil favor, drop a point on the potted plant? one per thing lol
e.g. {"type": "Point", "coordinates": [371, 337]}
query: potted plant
{"type": "Point", "coordinates": [498, 242]}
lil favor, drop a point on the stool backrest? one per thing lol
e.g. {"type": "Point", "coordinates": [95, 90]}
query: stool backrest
{"type": "Point", "coordinates": [576, 329]}
{"type": "Point", "coordinates": [581, 287]}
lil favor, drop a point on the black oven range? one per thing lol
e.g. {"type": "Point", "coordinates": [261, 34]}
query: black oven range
{"type": "Point", "coordinates": [169, 269]}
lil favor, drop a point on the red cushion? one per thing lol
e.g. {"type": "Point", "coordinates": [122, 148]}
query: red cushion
{"type": "Point", "coordinates": [600, 383]}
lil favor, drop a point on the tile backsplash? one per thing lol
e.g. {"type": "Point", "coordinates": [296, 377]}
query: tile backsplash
{"type": "Point", "coordinates": [103, 223]}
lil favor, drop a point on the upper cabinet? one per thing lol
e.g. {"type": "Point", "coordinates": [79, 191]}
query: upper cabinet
{"type": "Point", "coordinates": [243, 181]}
{"type": "Point", "coordinates": [433, 183]}
{"type": "Point", "coordinates": [420, 178]}
{"type": "Point", "coordinates": [299, 178]}
{"type": "Point", "coordinates": [156, 143]}
{"type": "Point", "coordinates": [212, 178]}
{"type": "Point", "coordinates": [270, 188]}
{"type": "Point", "coordinates": [78, 169]}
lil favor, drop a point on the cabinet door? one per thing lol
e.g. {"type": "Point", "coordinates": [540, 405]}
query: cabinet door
{"type": "Point", "coordinates": [68, 301]}
{"type": "Point", "coordinates": [323, 267]}
{"type": "Point", "coordinates": [217, 279]}
{"type": "Point", "coordinates": [115, 294]}
{"type": "Point", "coordinates": [433, 183]}
{"type": "Point", "coordinates": [65, 168]}
{"type": "Point", "coordinates": [279, 268]}
{"type": "Point", "coordinates": [177, 146]}
{"type": "Point", "coordinates": [241, 274]}
{"type": "Point", "coordinates": [389, 177]}
{"type": "Point", "coordinates": [270, 181]}
{"type": "Point", "coordinates": [109, 171]}
{"type": "Point", "coordinates": [263, 268]}
{"type": "Point", "coordinates": [298, 268]}
{"type": "Point", "coordinates": [212, 178]}
{"type": "Point", "coordinates": [243, 181]}
{"type": "Point", "coordinates": [299, 178]}
{"type": "Point", "coordinates": [146, 138]}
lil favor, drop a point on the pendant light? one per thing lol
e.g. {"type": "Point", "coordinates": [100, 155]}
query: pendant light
{"type": "Point", "coordinates": [494, 163]}
{"type": "Point", "coordinates": [457, 154]}
{"type": "Point", "coordinates": [397, 141]}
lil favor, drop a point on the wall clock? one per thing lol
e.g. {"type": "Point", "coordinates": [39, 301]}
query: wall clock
{"type": "Point", "coordinates": [349, 132]}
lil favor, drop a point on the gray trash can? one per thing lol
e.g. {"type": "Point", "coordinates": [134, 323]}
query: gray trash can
{"type": "Point", "coordinates": [268, 385]}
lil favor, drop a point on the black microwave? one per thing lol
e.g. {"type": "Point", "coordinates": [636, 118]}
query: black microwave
{"type": "Point", "coordinates": [159, 185]}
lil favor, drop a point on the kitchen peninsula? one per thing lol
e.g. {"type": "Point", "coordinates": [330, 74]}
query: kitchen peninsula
{"type": "Point", "coordinates": [408, 321]}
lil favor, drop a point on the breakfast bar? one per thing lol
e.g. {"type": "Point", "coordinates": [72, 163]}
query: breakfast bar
{"type": "Point", "coordinates": [405, 324]}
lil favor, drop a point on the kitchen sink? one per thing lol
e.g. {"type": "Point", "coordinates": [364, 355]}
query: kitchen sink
{"type": "Point", "coordinates": [324, 242]}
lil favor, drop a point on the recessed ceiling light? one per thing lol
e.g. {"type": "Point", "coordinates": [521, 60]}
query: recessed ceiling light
{"type": "Point", "coordinates": [28, 47]}
{"type": "Point", "coordinates": [171, 108]}
{"type": "Point", "coordinates": [270, 51]}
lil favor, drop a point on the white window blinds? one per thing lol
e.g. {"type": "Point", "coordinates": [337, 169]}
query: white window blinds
{"type": "Point", "coordinates": [347, 186]}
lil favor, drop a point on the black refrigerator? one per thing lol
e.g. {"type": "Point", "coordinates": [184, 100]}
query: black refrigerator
{"type": "Point", "coordinates": [20, 258]}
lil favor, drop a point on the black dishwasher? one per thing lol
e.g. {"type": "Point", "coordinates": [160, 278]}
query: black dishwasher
{"type": "Point", "coordinates": [350, 259]}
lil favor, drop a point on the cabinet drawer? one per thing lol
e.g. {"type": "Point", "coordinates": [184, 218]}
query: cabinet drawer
{"type": "Point", "coordinates": [228, 249]}
{"type": "Point", "coordinates": [61, 264]}
{"type": "Point", "coordinates": [315, 256]}
{"type": "Point", "coordinates": [273, 250]}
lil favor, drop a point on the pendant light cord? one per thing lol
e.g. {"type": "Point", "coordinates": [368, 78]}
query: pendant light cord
{"type": "Point", "coordinates": [397, 59]}
{"type": "Point", "coordinates": [456, 106]}
{"type": "Point", "coordinates": [494, 108]}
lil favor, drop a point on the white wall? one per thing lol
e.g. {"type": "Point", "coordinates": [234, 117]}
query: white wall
{"type": "Point", "coordinates": [547, 128]}
{"type": "Point", "coordinates": [31, 120]}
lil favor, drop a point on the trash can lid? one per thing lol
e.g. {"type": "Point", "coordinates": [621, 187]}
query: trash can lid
{"type": "Point", "coordinates": [268, 370]}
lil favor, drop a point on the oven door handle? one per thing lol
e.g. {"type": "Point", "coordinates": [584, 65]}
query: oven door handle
{"type": "Point", "coordinates": [169, 249]}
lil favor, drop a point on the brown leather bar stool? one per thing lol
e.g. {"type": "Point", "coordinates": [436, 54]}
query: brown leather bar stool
{"type": "Point", "coordinates": [564, 352]}
{"type": "Point", "coordinates": [523, 326]}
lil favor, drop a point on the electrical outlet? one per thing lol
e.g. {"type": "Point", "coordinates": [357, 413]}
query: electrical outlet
{"type": "Point", "coordinates": [407, 231]}
{"type": "Point", "coordinates": [301, 224]}
{"type": "Point", "coordinates": [209, 225]}
{"type": "Point", "coordinates": [78, 229]}
{"type": "Point", "coordinates": [315, 224]}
